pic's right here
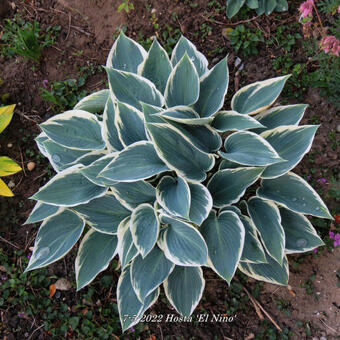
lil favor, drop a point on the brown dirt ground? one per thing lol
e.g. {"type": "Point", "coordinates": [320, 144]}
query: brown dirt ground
{"type": "Point", "coordinates": [88, 25]}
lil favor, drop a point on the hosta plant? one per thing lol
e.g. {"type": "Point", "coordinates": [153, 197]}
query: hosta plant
{"type": "Point", "coordinates": [7, 166]}
{"type": "Point", "coordinates": [153, 171]}
{"type": "Point", "coordinates": [260, 6]}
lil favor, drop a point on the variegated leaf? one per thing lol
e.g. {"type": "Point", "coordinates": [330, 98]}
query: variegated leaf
{"type": "Point", "coordinates": [248, 148]}
{"type": "Point", "coordinates": [182, 87]}
{"type": "Point", "coordinates": [267, 220]}
{"type": "Point", "coordinates": [291, 143]}
{"type": "Point", "coordinates": [109, 130]}
{"type": "Point", "coordinates": [174, 149]}
{"type": "Point", "coordinates": [42, 211]}
{"type": "Point", "coordinates": [130, 124]}
{"type": "Point", "coordinates": [126, 54]}
{"type": "Point", "coordinates": [137, 161]}
{"type": "Point", "coordinates": [173, 194]}
{"type": "Point", "coordinates": [300, 234]}
{"type": "Point", "coordinates": [133, 89]}
{"type": "Point", "coordinates": [157, 66]}
{"type": "Point", "coordinates": [295, 193]}
{"type": "Point", "coordinates": [186, 46]}
{"type": "Point", "coordinates": [213, 88]}
{"type": "Point", "coordinates": [229, 185]}
{"type": "Point", "coordinates": [55, 238]}
{"type": "Point", "coordinates": [149, 272]}
{"type": "Point", "coordinates": [95, 253]}
{"type": "Point", "coordinates": [94, 102]}
{"type": "Point", "coordinates": [271, 272]}
{"type": "Point", "coordinates": [182, 243]}
{"type": "Point", "coordinates": [184, 288]}
{"type": "Point", "coordinates": [224, 235]}
{"type": "Point", "coordinates": [127, 250]}
{"type": "Point", "coordinates": [231, 121]}
{"type": "Point", "coordinates": [103, 214]}
{"type": "Point", "coordinates": [75, 129]}
{"type": "Point", "coordinates": [258, 96]}
{"type": "Point", "coordinates": [144, 228]}
{"type": "Point", "coordinates": [69, 188]}
{"type": "Point", "coordinates": [130, 309]}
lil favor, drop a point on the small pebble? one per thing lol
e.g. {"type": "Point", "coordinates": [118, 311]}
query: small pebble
{"type": "Point", "coordinates": [30, 166]}
{"type": "Point", "coordinates": [9, 145]}
{"type": "Point", "coordinates": [323, 338]}
{"type": "Point", "coordinates": [338, 128]}
{"type": "Point", "coordinates": [11, 184]}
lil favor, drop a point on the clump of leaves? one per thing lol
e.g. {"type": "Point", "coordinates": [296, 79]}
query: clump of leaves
{"type": "Point", "coordinates": [7, 166]}
{"type": "Point", "coordinates": [126, 5]}
{"type": "Point", "coordinates": [64, 94]}
{"type": "Point", "coordinates": [245, 40]}
{"type": "Point", "coordinates": [260, 6]}
{"type": "Point", "coordinates": [159, 174]}
{"type": "Point", "coordinates": [26, 39]}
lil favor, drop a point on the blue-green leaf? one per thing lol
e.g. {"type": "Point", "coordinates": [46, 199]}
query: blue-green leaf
{"type": "Point", "coordinates": [75, 129]}
{"type": "Point", "coordinates": [300, 234]}
{"type": "Point", "coordinates": [184, 115]}
{"type": "Point", "coordinates": [137, 161]}
{"type": "Point", "coordinates": [201, 203]}
{"type": "Point", "coordinates": [271, 272]}
{"type": "Point", "coordinates": [127, 250]}
{"type": "Point", "coordinates": [227, 186]}
{"type": "Point", "coordinates": [130, 124]}
{"type": "Point", "coordinates": [182, 87]}
{"type": "Point", "coordinates": [87, 159]}
{"type": "Point", "coordinates": [291, 143]}
{"type": "Point", "coordinates": [132, 89]}
{"type": "Point", "coordinates": [178, 154]}
{"type": "Point", "coordinates": [224, 236]}
{"type": "Point", "coordinates": [248, 148]}
{"type": "Point", "coordinates": [55, 238]}
{"type": "Point", "coordinates": [94, 255]}
{"type": "Point", "coordinates": [157, 66]}
{"type": "Point", "coordinates": [258, 96]}
{"type": "Point", "coordinates": [69, 188]}
{"type": "Point", "coordinates": [109, 130]}
{"type": "Point", "coordinates": [184, 288]}
{"type": "Point", "coordinates": [226, 164]}
{"type": "Point", "coordinates": [213, 88]}
{"type": "Point", "coordinates": [173, 194]}
{"type": "Point", "coordinates": [103, 214]}
{"type": "Point", "coordinates": [131, 195]}
{"type": "Point", "coordinates": [92, 171]}
{"type": "Point", "coordinates": [295, 193]}
{"type": "Point", "coordinates": [130, 309]}
{"type": "Point", "coordinates": [126, 54]}
{"type": "Point", "coordinates": [203, 137]}
{"type": "Point", "coordinates": [253, 251]}
{"type": "Point", "coordinates": [144, 228]}
{"type": "Point", "coordinates": [42, 211]}
{"type": "Point", "coordinates": [233, 6]}
{"type": "Point", "coordinates": [282, 6]}
{"type": "Point", "coordinates": [253, 4]}
{"type": "Point", "coordinates": [149, 272]}
{"type": "Point", "coordinates": [280, 115]}
{"type": "Point", "coordinates": [267, 219]}
{"type": "Point", "coordinates": [186, 46]}
{"type": "Point", "coordinates": [230, 120]}
{"type": "Point", "coordinates": [182, 243]}
{"type": "Point", "coordinates": [94, 102]}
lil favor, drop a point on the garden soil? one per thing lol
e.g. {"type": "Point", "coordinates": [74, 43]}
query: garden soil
{"type": "Point", "coordinates": [88, 26]}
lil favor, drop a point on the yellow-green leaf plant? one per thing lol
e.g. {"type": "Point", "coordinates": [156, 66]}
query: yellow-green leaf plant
{"type": "Point", "coordinates": [7, 166]}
